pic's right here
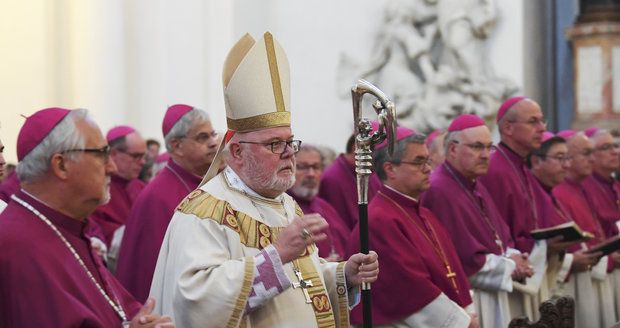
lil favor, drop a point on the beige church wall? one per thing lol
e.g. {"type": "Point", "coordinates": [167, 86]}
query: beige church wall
{"type": "Point", "coordinates": [127, 60]}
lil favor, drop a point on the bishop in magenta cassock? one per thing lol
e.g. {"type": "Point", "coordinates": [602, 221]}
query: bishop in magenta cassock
{"type": "Point", "coordinates": [422, 282]}
{"type": "Point", "coordinates": [568, 272]}
{"type": "Point", "coordinates": [49, 274]}
{"type": "Point", "coordinates": [190, 141]}
{"type": "Point", "coordinates": [517, 195]}
{"type": "Point", "coordinates": [339, 188]}
{"type": "Point", "coordinates": [602, 190]}
{"type": "Point", "coordinates": [305, 190]}
{"type": "Point", "coordinates": [603, 193]}
{"type": "Point", "coordinates": [586, 279]}
{"type": "Point", "coordinates": [128, 150]}
{"type": "Point", "coordinates": [480, 235]}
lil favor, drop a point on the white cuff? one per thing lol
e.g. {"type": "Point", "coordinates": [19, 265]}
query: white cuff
{"type": "Point", "coordinates": [567, 262]}
{"type": "Point", "coordinates": [599, 270]}
{"type": "Point", "coordinates": [441, 312]}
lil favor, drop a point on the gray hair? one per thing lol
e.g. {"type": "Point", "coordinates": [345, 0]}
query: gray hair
{"type": "Point", "coordinates": [311, 147]}
{"type": "Point", "coordinates": [64, 136]}
{"type": "Point", "coordinates": [597, 134]}
{"type": "Point", "coordinates": [451, 137]}
{"type": "Point", "coordinates": [381, 156]}
{"type": "Point", "coordinates": [181, 128]}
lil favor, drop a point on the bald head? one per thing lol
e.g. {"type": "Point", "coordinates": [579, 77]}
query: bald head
{"type": "Point", "coordinates": [606, 157]}
{"type": "Point", "coordinates": [522, 127]}
{"type": "Point", "coordinates": [580, 150]}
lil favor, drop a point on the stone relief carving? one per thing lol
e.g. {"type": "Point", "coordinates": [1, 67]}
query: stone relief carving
{"type": "Point", "coordinates": [430, 57]}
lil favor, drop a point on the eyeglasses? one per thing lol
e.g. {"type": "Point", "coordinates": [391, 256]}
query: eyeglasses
{"type": "Point", "coordinates": [477, 147]}
{"type": "Point", "coordinates": [103, 152]}
{"type": "Point", "coordinates": [135, 156]}
{"type": "Point", "coordinates": [419, 163]}
{"type": "Point", "coordinates": [586, 152]}
{"type": "Point", "coordinates": [306, 167]}
{"type": "Point", "coordinates": [278, 147]}
{"type": "Point", "coordinates": [202, 138]}
{"type": "Point", "coordinates": [608, 146]}
{"type": "Point", "coordinates": [560, 158]}
{"type": "Point", "coordinates": [532, 122]}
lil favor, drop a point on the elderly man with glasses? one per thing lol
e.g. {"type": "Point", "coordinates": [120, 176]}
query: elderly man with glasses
{"type": "Point", "coordinates": [239, 251]}
{"type": "Point", "coordinates": [586, 278]}
{"type": "Point", "coordinates": [305, 192]}
{"type": "Point", "coordinates": [516, 194]}
{"type": "Point", "coordinates": [422, 282]}
{"type": "Point", "coordinates": [49, 275]}
{"type": "Point", "coordinates": [128, 151]}
{"type": "Point", "coordinates": [603, 192]}
{"type": "Point", "coordinates": [477, 229]}
{"type": "Point", "coordinates": [191, 144]}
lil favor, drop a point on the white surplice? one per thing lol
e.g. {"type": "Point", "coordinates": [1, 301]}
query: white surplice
{"type": "Point", "coordinates": [206, 265]}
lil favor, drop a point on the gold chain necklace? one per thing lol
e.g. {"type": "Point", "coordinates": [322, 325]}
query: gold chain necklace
{"type": "Point", "coordinates": [433, 241]}
{"type": "Point", "coordinates": [115, 305]}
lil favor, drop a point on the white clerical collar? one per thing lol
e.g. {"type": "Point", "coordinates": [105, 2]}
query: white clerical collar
{"type": "Point", "coordinates": [2, 205]}
{"type": "Point", "coordinates": [235, 182]}
{"type": "Point", "coordinates": [400, 193]}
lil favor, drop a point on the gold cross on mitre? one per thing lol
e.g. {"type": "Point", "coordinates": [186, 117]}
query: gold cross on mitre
{"type": "Point", "coordinates": [303, 284]}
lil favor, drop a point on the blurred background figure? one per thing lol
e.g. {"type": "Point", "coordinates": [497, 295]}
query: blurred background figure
{"type": "Point", "coordinates": [305, 192]}
{"type": "Point", "coordinates": [434, 143]}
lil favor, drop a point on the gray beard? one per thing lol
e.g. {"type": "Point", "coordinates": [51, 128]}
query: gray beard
{"type": "Point", "coordinates": [305, 192]}
{"type": "Point", "coordinates": [264, 180]}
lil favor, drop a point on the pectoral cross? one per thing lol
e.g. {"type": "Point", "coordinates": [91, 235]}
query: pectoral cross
{"type": "Point", "coordinates": [303, 284]}
{"type": "Point", "coordinates": [452, 276]}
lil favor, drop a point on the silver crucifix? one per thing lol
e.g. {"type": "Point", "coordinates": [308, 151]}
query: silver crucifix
{"type": "Point", "coordinates": [303, 284]}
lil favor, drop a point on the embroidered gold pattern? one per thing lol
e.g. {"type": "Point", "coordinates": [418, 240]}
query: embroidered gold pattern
{"type": "Point", "coordinates": [341, 290]}
{"type": "Point", "coordinates": [248, 278]}
{"type": "Point", "coordinates": [252, 233]}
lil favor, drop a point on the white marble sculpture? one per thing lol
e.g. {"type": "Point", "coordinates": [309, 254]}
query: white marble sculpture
{"type": "Point", "coordinates": [430, 58]}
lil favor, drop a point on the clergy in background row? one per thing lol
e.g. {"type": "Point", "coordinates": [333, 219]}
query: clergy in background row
{"type": "Point", "coordinates": [475, 226]}
{"type": "Point", "coordinates": [49, 274]}
{"type": "Point", "coordinates": [191, 144]}
{"type": "Point", "coordinates": [305, 192]}
{"type": "Point", "coordinates": [422, 282]}
{"type": "Point", "coordinates": [590, 287]}
{"type": "Point", "coordinates": [2, 172]}
{"type": "Point", "coordinates": [339, 186]}
{"type": "Point", "coordinates": [516, 193]}
{"type": "Point", "coordinates": [436, 150]}
{"type": "Point", "coordinates": [603, 193]}
{"type": "Point", "coordinates": [568, 273]}
{"type": "Point", "coordinates": [128, 150]}
{"type": "Point", "coordinates": [238, 251]}
{"type": "Point", "coordinates": [602, 190]}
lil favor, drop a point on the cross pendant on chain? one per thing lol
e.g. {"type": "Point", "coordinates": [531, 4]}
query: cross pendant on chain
{"type": "Point", "coordinates": [452, 276]}
{"type": "Point", "coordinates": [303, 284]}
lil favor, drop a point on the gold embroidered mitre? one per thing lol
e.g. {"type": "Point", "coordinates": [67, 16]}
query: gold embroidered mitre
{"type": "Point", "coordinates": [256, 85]}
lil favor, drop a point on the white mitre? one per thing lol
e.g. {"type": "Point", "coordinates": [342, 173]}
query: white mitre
{"type": "Point", "coordinates": [256, 90]}
{"type": "Point", "coordinates": [256, 85]}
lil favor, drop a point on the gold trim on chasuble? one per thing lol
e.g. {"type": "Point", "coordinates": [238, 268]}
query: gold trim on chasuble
{"type": "Point", "coordinates": [255, 234]}
{"type": "Point", "coordinates": [341, 290]}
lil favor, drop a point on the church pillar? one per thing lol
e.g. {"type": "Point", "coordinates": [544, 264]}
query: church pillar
{"type": "Point", "coordinates": [596, 46]}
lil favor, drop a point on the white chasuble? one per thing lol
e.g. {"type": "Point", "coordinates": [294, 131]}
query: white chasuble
{"type": "Point", "coordinates": [208, 270]}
